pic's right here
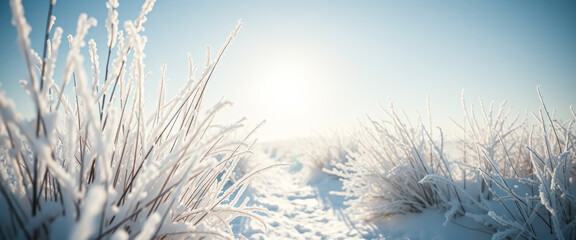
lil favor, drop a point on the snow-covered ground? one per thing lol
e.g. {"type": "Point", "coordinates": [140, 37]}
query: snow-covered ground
{"type": "Point", "coordinates": [301, 206]}
{"type": "Point", "coordinates": [298, 207]}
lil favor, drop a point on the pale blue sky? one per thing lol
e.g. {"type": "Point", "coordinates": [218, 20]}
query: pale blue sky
{"type": "Point", "coordinates": [310, 66]}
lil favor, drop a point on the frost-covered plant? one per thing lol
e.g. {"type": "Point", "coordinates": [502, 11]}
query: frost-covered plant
{"type": "Point", "coordinates": [382, 176]}
{"type": "Point", "coordinates": [324, 153]}
{"type": "Point", "coordinates": [553, 158]}
{"type": "Point", "coordinates": [521, 176]}
{"type": "Point", "coordinates": [495, 135]}
{"type": "Point", "coordinates": [514, 179]}
{"type": "Point", "coordinates": [94, 164]}
{"type": "Point", "coordinates": [527, 179]}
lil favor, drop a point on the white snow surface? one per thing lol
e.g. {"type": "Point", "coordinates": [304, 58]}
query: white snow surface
{"type": "Point", "coordinates": [301, 206]}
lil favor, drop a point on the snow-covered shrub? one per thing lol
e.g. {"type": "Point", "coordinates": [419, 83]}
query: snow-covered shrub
{"type": "Point", "coordinates": [324, 153]}
{"type": "Point", "coordinates": [514, 178]}
{"type": "Point", "coordinates": [554, 162]}
{"type": "Point", "coordinates": [495, 142]}
{"type": "Point", "coordinates": [382, 175]}
{"type": "Point", "coordinates": [93, 163]}
{"type": "Point", "coordinates": [526, 176]}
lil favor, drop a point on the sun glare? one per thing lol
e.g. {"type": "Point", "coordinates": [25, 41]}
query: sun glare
{"type": "Point", "coordinates": [289, 86]}
{"type": "Point", "coordinates": [284, 86]}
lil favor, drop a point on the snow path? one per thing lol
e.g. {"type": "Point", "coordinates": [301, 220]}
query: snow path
{"type": "Point", "coordinates": [300, 206]}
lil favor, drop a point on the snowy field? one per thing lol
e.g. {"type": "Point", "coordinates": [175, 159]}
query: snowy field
{"type": "Point", "coordinates": [100, 159]}
{"type": "Point", "coordinates": [301, 206]}
{"type": "Point", "coordinates": [303, 203]}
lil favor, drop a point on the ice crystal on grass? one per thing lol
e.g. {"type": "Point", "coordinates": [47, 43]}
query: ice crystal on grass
{"type": "Point", "coordinates": [97, 168]}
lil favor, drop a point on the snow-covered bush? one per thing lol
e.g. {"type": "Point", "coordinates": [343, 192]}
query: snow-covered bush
{"type": "Point", "coordinates": [515, 179]}
{"type": "Point", "coordinates": [382, 175]}
{"type": "Point", "coordinates": [526, 176]}
{"type": "Point", "coordinates": [94, 163]}
{"type": "Point", "coordinates": [324, 153]}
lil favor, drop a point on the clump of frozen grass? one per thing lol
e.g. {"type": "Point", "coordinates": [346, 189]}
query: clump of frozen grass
{"type": "Point", "coordinates": [526, 176]}
{"type": "Point", "coordinates": [323, 153]}
{"type": "Point", "coordinates": [91, 164]}
{"type": "Point", "coordinates": [382, 175]}
{"type": "Point", "coordinates": [334, 151]}
{"type": "Point", "coordinates": [495, 135]}
{"type": "Point", "coordinates": [513, 178]}
{"type": "Point", "coordinates": [519, 176]}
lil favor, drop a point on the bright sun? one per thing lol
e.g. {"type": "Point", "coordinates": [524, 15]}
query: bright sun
{"type": "Point", "coordinates": [285, 88]}
{"type": "Point", "coordinates": [291, 85]}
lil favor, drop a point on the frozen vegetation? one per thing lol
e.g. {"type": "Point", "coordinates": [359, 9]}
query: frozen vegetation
{"type": "Point", "coordinates": [508, 178]}
{"type": "Point", "coordinates": [94, 164]}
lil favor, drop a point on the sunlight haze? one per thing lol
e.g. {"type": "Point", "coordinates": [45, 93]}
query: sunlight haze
{"type": "Point", "coordinates": [307, 67]}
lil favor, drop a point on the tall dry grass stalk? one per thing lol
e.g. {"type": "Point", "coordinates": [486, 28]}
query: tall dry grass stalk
{"type": "Point", "coordinates": [91, 164]}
